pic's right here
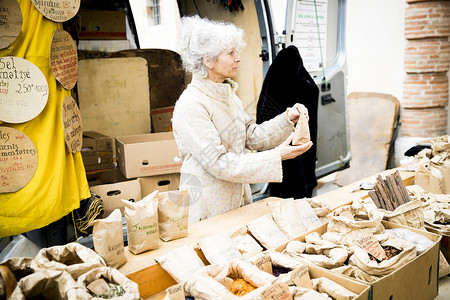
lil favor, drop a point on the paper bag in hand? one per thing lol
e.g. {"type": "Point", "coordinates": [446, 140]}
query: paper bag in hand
{"type": "Point", "coordinates": [301, 133]}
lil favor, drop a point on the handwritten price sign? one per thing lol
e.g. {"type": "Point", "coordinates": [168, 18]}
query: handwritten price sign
{"type": "Point", "coordinates": [71, 118]}
{"type": "Point", "coordinates": [57, 10]}
{"type": "Point", "coordinates": [64, 59]}
{"type": "Point", "coordinates": [18, 159]}
{"type": "Point", "coordinates": [23, 90]}
{"type": "Point", "coordinates": [10, 22]}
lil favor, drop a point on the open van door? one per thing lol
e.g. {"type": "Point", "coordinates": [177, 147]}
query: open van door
{"type": "Point", "coordinates": [317, 29]}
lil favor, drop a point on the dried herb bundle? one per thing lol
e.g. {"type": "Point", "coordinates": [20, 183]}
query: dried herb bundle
{"type": "Point", "coordinates": [389, 193]}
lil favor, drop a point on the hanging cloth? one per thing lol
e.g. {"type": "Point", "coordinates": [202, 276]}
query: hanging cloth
{"type": "Point", "coordinates": [59, 182]}
{"type": "Point", "coordinates": [288, 82]}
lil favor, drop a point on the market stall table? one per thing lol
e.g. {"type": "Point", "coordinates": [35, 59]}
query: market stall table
{"type": "Point", "coordinates": [153, 279]}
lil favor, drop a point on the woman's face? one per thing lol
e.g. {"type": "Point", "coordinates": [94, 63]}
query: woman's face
{"type": "Point", "coordinates": [225, 66]}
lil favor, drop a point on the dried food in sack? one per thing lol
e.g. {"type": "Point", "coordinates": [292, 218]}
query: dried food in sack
{"type": "Point", "coordinates": [361, 258]}
{"type": "Point", "coordinates": [142, 223]}
{"type": "Point", "coordinates": [285, 214]}
{"type": "Point", "coordinates": [356, 217]}
{"type": "Point", "coordinates": [108, 239]}
{"type": "Point", "coordinates": [331, 288]}
{"type": "Point", "coordinates": [73, 258]}
{"type": "Point", "coordinates": [219, 248]}
{"type": "Point", "coordinates": [181, 262]}
{"type": "Point", "coordinates": [267, 232]}
{"type": "Point", "coordinates": [245, 243]}
{"type": "Point", "coordinates": [109, 283]}
{"type": "Point", "coordinates": [240, 287]}
{"type": "Point", "coordinates": [173, 214]}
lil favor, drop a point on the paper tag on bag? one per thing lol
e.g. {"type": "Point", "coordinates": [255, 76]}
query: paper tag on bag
{"type": "Point", "coordinates": [264, 263]}
{"type": "Point", "coordinates": [176, 292]}
{"type": "Point", "coordinates": [369, 243]}
{"type": "Point", "coordinates": [300, 277]}
{"type": "Point", "coordinates": [279, 291]}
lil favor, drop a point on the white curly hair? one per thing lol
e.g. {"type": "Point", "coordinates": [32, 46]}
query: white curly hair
{"type": "Point", "coordinates": [201, 37]}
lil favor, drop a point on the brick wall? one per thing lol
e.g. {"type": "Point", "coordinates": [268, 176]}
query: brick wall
{"type": "Point", "coordinates": [427, 60]}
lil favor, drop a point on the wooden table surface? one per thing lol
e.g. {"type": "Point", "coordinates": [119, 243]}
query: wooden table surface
{"type": "Point", "coordinates": [153, 280]}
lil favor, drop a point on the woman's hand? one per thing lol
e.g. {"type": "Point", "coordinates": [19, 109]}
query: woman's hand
{"type": "Point", "coordinates": [295, 111]}
{"type": "Point", "coordinates": [288, 152]}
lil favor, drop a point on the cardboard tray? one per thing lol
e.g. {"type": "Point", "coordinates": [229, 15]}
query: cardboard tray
{"type": "Point", "coordinates": [416, 280]}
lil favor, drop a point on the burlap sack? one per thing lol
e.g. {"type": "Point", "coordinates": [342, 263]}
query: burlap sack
{"type": "Point", "coordinates": [360, 257]}
{"type": "Point", "coordinates": [73, 258]}
{"type": "Point", "coordinates": [108, 239]}
{"type": "Point", "coordinates": [142, 223]}
{"type": "Point", "coordinates": [129, 289]}
{"type": "Point", "coordinates": [173, 214]}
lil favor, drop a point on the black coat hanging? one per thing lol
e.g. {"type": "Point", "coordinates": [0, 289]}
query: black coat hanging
{"type": "Point", "coordinates": [288, 82]}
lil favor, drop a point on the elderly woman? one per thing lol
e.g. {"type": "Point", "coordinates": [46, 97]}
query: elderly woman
{"type": "Point", "coordinates": [213, 131]}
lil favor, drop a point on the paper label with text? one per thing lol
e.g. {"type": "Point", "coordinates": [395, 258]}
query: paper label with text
{"type": "Point", "coordinates": [57, 10]}
{"type": "Point", "coordinates": [264, 263]}
{"type": "Point", "coordinates": [369, 243]}
{"type": "Point", "coordinates": [10, 22]}
{"type": "Point", "coordinates": [18, 159]}
{"type": "Point", "coordinates": [64, 59]}
{"type": "Point", "coordinates": [279, 291]}
{"type": "Point", "coordinates": [71, 117]}
{"type": "Point", "coordinates": [300, 277]}
{"type": "Point", "coordinates": [23, 90]}
{"type": "Point", "coordinates": [176, 292]}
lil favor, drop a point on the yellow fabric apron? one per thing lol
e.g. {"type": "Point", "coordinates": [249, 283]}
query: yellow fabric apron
{"type": "Point", "coordinates": [60, 179]}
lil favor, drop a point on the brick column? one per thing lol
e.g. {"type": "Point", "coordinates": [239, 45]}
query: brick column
{"type": "Point", "coordinates": [427, 62]}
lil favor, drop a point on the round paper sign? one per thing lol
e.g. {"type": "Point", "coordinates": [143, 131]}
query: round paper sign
{"type": "Point", "coordinates": [64, 59]}
{"type": "Point", "coordinates": [71, 118]}
{"type": "Point", "coordinates": [18, 159]}
{"type": "Point", "coordinates": [23, 90]}
{"type": "Point", "coordinates": [10, 22]}
{"type": "Point", "coordinates": [57, 10]}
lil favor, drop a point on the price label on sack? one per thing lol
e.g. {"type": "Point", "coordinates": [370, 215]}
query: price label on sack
{"type": "Point", "coordinates": [57, 10]}
{"type": "Point", "coordinates": [300, 277]}
{"type": "Point", "coordinates": [64, 59]}
{"type": "Point", "coordinates": [18, 159]}
{"type": "Point", "coordinates": [176, 292]}
{"type": "Point", "coordinates": [279, 291]}
{"type": "Point", "coordinates": [11, 22]}
{"type": "Point", "coordinates": [264, 263]}
{"type": "Point", "coordinates": [23, 90]}
{"type": "Point", "coordinates": [369, 243]}
{"type": "Point", "coordinates": [71, 118]}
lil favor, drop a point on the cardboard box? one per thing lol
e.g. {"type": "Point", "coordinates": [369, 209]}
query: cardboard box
{"type": "Point", "coordinates": [162, 118]}
{"type": "Point", "coordinates": [416, 280]}
{"type": "Point", "coordinates": [162, 183]}
{"type": "Point", "coordinates": [147, 154]}
{"type": "Point", "coordinates": [102, 25]}
{"type": "Point", "coordinates": [113, 193]}
{"type": "Point", "coordinates": [97, 151]}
